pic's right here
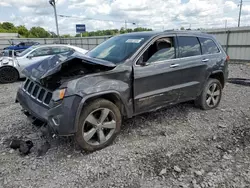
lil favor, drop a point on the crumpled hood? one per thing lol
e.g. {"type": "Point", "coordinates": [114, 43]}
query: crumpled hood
{"type": "Point", "coordinates": [43, 69]}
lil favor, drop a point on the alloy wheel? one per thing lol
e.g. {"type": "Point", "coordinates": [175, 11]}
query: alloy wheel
{"type": "Point", "coordinates": [213, 95]}
{"type": "Point", "coordinates": [99, 126]}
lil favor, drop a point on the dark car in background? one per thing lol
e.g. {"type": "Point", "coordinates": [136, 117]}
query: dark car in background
{"type": "Point", "coordinates": [88, 95]}
{"type": "Point", "coordinates": [18, 47]}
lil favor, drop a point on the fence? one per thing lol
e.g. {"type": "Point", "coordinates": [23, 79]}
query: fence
{"type": "Point", "coordinates": [85, 42]}
{"type": "Point", "coordinates": [235, 41]}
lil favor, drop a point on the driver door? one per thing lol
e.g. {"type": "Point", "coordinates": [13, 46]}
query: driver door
{"type": "Point", "coordinates": [156, 79]}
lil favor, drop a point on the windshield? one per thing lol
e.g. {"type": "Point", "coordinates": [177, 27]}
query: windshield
{"type": "Point", "coordinates": [25, 51]}
{"type": "Point", "coordinates": [117, 49]}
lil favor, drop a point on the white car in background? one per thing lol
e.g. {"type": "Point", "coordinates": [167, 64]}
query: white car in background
{"type": "Point", "coordinates": [11, 67]}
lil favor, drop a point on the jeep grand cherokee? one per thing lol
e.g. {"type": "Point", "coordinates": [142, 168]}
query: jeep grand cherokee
{"type": "Point", "coordinates": [88, 95]}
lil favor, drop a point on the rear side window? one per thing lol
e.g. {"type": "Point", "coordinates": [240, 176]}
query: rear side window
{"type": "Point", "coordinates": [208, 46]}
{"type": "Point", "coordinates": [189, 46]}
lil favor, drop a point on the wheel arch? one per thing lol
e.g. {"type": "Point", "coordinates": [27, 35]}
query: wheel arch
{"type": "Point", "coordinates": [112, 96]}
{"type": "Point", "coordinates": [219, 75]}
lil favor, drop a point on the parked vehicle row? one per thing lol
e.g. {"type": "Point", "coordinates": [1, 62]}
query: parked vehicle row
{"type": "Point", "coordinates": [11, 67]}
{"type": "Point", "coordinates": [88, 95]}
{"type": "Point", "coordinates": [21, 46]}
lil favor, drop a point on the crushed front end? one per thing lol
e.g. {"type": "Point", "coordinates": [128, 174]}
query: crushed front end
{"type": "Point", "coordinates": [39, 103]}
{"type": "Point", "coordinates": [49, 92]}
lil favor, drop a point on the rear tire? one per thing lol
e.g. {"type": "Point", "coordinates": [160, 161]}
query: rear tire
{"type": "Point", "coordinates": [210, 96]}
{"type": "Point", "coordinates": [99, 125]}
{"type": "Point", "coordinates": [8, 75]}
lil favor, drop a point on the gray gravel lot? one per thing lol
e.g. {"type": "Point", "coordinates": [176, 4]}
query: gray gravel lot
{"type": "Point", "coordinates": [180, 146]}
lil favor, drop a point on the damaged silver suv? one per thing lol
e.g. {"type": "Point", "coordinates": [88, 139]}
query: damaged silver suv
{"type": "Point", "coordinates": [88, 95]}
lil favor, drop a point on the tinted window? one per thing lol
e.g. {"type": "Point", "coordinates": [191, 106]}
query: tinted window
{"type": "Point", "coordinates": [42, 51]}
{"type": "Point", "coordinates": [65, 49]}
{"type": "Point", "coordinates": [118, 48]}
{"type": "Point", "coordinates": [25, 51]}
{"type": "Point", "coordinates": [21, 44]}
{"type": "Point", "coordinates": [208, 46]}
{"type": "Point", "coordinates": [162, 49]}
{"type": "Point", "coordinates": [189, 46]}
{"type": "Point", "coordinates": [60, 49]}
{"type": "Point", "coordinates": [56, 50]}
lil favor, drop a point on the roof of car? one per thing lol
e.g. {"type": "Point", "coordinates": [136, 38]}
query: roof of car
{"type": "Point", "coordinates": [49, 45]}
{"type": "Point", "coordinates": [61, 45]}
{"type": "Point", "coordinates": [156, 33]}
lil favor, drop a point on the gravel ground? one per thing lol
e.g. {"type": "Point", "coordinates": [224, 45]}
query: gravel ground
{"type": "Point", "coordinates": [180, 146]}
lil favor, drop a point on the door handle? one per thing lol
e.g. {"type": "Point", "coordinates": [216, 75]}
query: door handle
{"type": "Point", "coordinates": [174, 65]}
{"type": "Point", "coordinates": [205, 60]}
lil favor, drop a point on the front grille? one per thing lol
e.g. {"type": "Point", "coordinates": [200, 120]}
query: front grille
{"type": "Point", "coordinates": [37, 92]}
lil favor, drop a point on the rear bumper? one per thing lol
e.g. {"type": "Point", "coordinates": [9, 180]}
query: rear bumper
{"type": "Point", "coordinates": [60, 117]}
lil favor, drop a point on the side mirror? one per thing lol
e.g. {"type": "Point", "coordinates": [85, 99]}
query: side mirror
{"type": "Point", "coordinates": [30, 56]}
{"type": "Point", "coordinates": [141, 62]}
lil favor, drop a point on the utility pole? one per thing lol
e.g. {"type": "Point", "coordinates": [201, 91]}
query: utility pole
{"type": "Point", "coordinates": [53, 4]}
{"type": "Point", "coordinates": [225, 24]}
{"type": "Point", "coordinates": [240, 13]}
{"type": "Point", "coordinates": [125, 24]}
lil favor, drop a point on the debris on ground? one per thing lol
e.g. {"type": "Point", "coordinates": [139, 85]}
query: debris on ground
{"type": "Point", "coordinates": [177, 169]}
{"type": "Point", "coordinates": [42, 149]}
{"type": "Point", "coordinates": [15, 144]}
{"type": "Point", "coordinates": [240, 81]}
{"type": "Point", "coordinates": [163, 171]}
{"type": "Point", "coordinates": [25, 147]}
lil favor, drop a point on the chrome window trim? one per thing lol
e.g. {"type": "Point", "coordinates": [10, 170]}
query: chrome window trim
{"type": "Point", "coordinates": [178, 58]}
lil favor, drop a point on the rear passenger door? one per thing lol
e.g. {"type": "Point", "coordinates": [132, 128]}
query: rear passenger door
{"type": "Point", "coordinates": [211, 54]}
{"type": "Point", "coordinates": [192, 66]}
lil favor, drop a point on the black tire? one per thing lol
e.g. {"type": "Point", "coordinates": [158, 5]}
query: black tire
{"type": "Point", "coordinates": [8, 75]}
{"type": "Point", "coordinates": [89, 109]}
{"type": "Point", "coordinates": [202, 100]}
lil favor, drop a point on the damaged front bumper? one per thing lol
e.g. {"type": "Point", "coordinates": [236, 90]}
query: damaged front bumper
{"type": "Point", "coordinates": [60, 116]}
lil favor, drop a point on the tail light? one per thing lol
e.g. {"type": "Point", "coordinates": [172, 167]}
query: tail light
{"type": "Point", "coordinates": [228, 58]}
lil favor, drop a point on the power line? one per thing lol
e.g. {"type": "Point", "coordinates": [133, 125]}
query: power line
{"type": "Point", "coordinates": [97, 19]}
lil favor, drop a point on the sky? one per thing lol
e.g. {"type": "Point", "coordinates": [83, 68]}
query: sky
{"type": "Point", "coordinates": [155, 14]}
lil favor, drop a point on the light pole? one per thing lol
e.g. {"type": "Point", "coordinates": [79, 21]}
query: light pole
{"type": "Point", "coordinates": [240, 13]}
{"type": "Point", "coordinates": [53, 4]}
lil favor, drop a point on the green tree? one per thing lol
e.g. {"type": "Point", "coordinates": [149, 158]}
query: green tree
{"type": "Point", "coordinates": [38, 32]}
{"type": "Point", "coordinates": [182, 28]}
{"type": "Point", "coordinates": [66, 36]}
{"type": "Point", "coordinates": [8, 26]}
{"type": "Point", "coordinates": [23, 31]}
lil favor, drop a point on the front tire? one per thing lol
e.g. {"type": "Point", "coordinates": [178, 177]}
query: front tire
{"type": "Point", "coordinates": [210, 96]}
{"type": "Point", "coordinates": [8, 75]}
{"type": "Point", "coordinates": [99, 125]}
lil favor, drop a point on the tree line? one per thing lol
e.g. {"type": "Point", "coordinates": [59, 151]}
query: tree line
{"type": "Point", "coordinates": [34, 32]}
{"type": "Point", "coordinates": [39, 32]}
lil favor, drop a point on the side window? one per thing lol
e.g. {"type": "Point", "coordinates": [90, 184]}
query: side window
{"type": "Point", "coordinates": [56, 50]}
{"type": "Point", "coordinates": [65, 49]}
{"type": "Point", "coordinates": [161, 50]}
{"type": "Point", "coordinates": [189, 46]}
{"type": "Point", "coordinates": [60, 49]}
{"type": "Point", "coordinates": [42, 52]}
{"type": "Point", "coordinates": [208, 46]}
